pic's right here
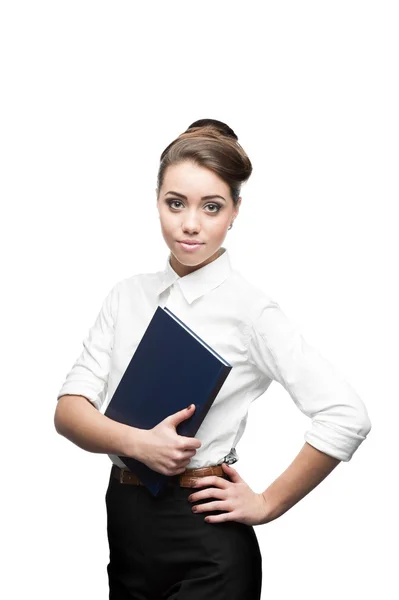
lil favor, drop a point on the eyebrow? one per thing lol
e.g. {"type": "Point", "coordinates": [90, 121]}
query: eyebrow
{"type": "Point", "coordinates": [203, 197]}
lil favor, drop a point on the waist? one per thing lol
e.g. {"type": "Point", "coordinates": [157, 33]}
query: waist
{"type": "Point", "coordinates": [186, 479]}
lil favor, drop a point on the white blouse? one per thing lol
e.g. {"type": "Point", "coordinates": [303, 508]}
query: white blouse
{"type": "Point", "coordinates": [249, 330]}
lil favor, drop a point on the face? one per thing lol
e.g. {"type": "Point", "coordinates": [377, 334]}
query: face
{"type": "Point", "coordinates": [194, 204]}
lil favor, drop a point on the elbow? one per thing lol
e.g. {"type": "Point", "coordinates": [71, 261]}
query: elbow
{"type": "Point", "coordinates": [358, 423]}
{"type": "Point", "coordinates": [340, 437]}
{"type": "Point", "coordinates": [60, 414]}
{"type": "Point", "coordinates": [355, 418]}
{"type": "Point", "coordinates": [361, 423]}
{"type": "Point", "coordinates": [364, 424]}
{"type": "Point", "coordinates": [58, 420]}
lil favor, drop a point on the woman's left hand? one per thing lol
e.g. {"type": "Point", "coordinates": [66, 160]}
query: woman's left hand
{"type": "Point", "coordinates": [235, 497]}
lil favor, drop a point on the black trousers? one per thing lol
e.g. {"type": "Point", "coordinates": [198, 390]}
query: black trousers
{"type": "Point", "coordinates": [160, 550]}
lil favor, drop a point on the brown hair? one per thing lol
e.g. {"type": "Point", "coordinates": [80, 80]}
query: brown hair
{"type": "Point", "coordinates": [212, 144]}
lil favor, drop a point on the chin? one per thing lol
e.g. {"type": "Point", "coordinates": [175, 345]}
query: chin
{"type": "Point", "coordinates": [185, 259]}
{"type": "Point", "coordinates": [196, 258]}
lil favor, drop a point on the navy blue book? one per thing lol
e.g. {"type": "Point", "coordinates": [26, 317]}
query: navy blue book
{"type": "Point", "coordinates": [171, 368]}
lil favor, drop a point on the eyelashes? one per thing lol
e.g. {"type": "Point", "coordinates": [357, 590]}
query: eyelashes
{"type": "Point", "coordinates": [170, 202]}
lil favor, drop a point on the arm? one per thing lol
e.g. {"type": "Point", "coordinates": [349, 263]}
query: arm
{"type": "Point", "coordinates": [77, 416]}
{"type": "Point", "coordinates": [339, 418]}
{"type": "Point", "coordinates": [80, 422]}
{"type": "Point", "coordinates": [307, 470]}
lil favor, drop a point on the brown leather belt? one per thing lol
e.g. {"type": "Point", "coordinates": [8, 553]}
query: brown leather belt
{"type": "Point", "coordinates": [185, 479]}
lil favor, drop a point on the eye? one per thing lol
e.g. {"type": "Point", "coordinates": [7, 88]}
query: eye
{"type": "Point", "coordinates": [217, 207]}
{"type": "Point", "coordinates": [214, 204]}
{"type": "Point", "coordinates": [170, 202]}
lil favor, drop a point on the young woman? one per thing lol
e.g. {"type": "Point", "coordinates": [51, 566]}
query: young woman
{"type": "Point", "coordinates": [196, 540]}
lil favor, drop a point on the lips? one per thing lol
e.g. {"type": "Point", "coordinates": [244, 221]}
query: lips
{"type": "Point", "coordinates": [189, 242]}
{"type": "Point", "coordinates": [190, 246]}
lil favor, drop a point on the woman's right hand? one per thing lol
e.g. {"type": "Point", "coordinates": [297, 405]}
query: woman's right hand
{"type": "Point", "coordinates": [164, 450]}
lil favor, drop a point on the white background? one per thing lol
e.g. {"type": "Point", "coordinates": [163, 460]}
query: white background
{"type": "Point", "coordinates": [92, 92]}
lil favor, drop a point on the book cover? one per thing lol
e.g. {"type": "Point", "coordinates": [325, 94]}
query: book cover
{"type": "Point", "coordinates": [171, 368]}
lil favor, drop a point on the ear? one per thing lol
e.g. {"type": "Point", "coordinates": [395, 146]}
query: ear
{"type": "Point", "coordinates": [237, 206]}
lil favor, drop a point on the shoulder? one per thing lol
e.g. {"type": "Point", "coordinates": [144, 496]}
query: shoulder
{"type": "Point", "coordinates": [251, 296]}
{"type": "Point", "coordinates": [138, 282]}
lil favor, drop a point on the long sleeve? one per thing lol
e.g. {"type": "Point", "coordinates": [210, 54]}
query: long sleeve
{"type": "Point", "coordinates": [340, 421]}
{"type": "Point", "coordinates": [89, 374]}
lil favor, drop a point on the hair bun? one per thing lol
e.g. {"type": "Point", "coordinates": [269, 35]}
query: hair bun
{"type": "Point", "coordinates": [214, 124]}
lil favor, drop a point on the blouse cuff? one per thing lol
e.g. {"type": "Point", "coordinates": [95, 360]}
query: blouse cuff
{"type": "Point", "coordinates": [88, 393]}
{"type": "Point", "coordinates": [334, 442]}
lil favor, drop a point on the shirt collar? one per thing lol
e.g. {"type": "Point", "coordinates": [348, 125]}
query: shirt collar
{"type": "Point", "coordinates": [198, 282]}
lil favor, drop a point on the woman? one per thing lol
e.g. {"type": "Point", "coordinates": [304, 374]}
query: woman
{"type": "Point", "coordinates": [196, 540]}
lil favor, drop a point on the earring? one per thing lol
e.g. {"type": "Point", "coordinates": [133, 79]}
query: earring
{"type": "Point", "coordinates": [231, 225]}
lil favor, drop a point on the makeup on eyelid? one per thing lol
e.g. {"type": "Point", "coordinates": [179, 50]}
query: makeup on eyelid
{"type": "Point", "coordinates": [170, 202]}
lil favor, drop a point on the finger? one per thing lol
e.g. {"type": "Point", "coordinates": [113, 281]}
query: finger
{"type": "Point", "coordinates": [181, 415]}
{"type": "Point", "coordinates": [193, 446]}
{"type": "Point", "coordinates": [228, 516]}
{"type": "Point", "coordinates": [209, 506]}
{"type": "Point", "coordinates": [188, 453]}
{"type": "Point", "coordinates": [211, 480]}
{"type": "Point", "coordinates": [231, 472]}
{"type": "Point", "coordinates": [208, 493]}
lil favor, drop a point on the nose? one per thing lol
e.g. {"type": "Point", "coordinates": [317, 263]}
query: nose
{"type": "Point", "coordinates": [191, 223]}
